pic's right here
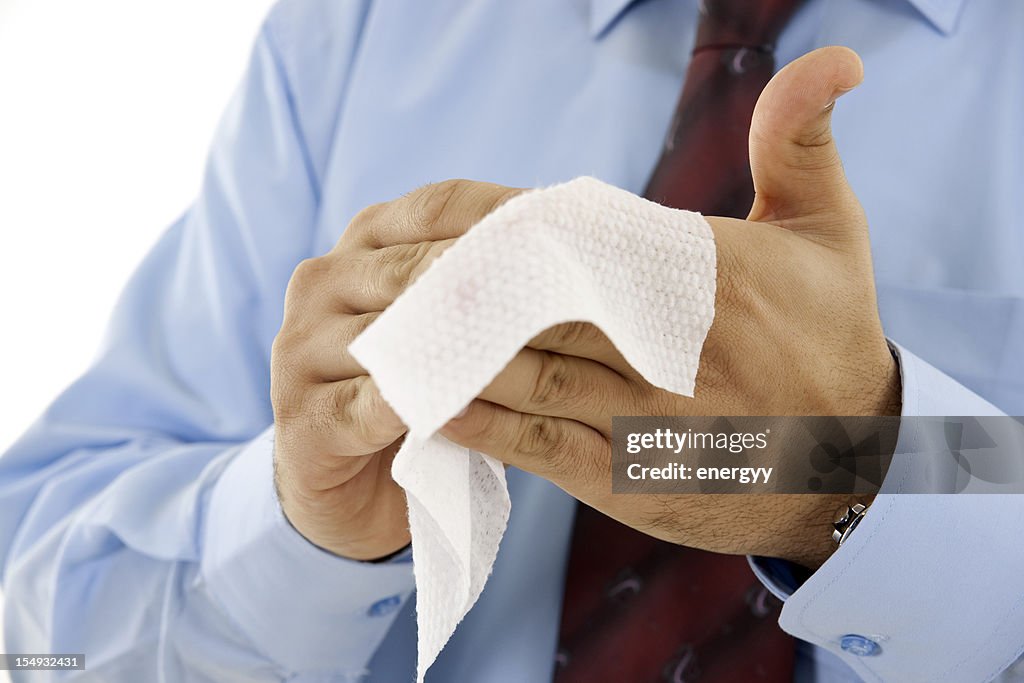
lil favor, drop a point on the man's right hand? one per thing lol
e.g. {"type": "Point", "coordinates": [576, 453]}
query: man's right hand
{"type": "Point", "coordinates": [335, 435]}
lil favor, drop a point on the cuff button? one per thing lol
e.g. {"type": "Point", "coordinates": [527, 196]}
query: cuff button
{"type": "Point", "coordinates": [859, 645]}
{"type": "Point", "coordinates": [385, 606]}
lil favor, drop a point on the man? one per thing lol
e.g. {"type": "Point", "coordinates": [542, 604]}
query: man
{"type": "Point", "coordinates": [141, 523]}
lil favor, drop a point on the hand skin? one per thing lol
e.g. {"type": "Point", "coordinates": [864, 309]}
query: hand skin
{"type": "Point", "coordinates": [335, 436]}
{"type": "Point", "coordinates": [796, 332]}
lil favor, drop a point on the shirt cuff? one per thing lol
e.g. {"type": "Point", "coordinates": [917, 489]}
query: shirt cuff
{"type": "Point", "coordinates": [303, 607]}
{"type": "Point", "coordinates": [928, 587]}
{"type": "Point", "coordinates": [781, 577]}
{"type": "Point", "coordinates": [925, 392]}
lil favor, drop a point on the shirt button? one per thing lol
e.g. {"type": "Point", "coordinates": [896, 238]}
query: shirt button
{"type": "Point", "coordinates": [859, 645]}
{"type": "Point", "coordinates": [745, 59]}
{"type": "Point", "coordinates": [384, 606]}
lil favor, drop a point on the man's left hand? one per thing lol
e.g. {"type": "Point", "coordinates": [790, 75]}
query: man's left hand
{"type": "Point", "coordinates": [796, 332]}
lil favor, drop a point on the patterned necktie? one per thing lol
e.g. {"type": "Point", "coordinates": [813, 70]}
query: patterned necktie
{"type": "Point", "coordinates": [636, 609]}
{"type": "Point", "coordinates": [704, 165]}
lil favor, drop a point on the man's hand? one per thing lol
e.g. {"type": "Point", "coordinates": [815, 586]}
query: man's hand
{"type": "Point", "coordinates": [335, 436]}
{"type": "Point", "coordinates": [796, 332]}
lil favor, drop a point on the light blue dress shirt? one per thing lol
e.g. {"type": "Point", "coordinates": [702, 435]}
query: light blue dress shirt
{"type": "Point", "coordinates": [137, 518]}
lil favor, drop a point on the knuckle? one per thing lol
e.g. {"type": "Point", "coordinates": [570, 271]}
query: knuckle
{"type": "Point", "coordinates": [365, 218]}
{"type": "Point", "coordinates": [555, 384]}
{"type": "Point", "coordinates": [308, 274]}
{"type": "Point", "coordinates": [344, 404]}
{"type": "Point", "coordinates": [282, 349]}
{"type": "Point", "coordinates": [539, 439]}
{"type": "Point", "coordinates": [293, 352]}
{"type": "Point", "coordinates": [404, 270]}
{"type": "Point", "coordinates": [361, 412]}
{"type": "Point", "coordinates": [389, 272]}
{"type": "Point", "coordinates": [816, 136]}
{"type": "Point", "coordinates": [286, 353]}
{"type": "Point", "coordinates": [573, 334]}
{"type": "Point", "coordinates": [432, 203]}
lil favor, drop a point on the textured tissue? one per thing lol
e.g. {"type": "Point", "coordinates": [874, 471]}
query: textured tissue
{"type": "Point", "coordinates": [580, 251]}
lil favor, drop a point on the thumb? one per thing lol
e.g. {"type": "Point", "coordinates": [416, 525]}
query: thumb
{"type": "Point", "coordinates": [798, 176]}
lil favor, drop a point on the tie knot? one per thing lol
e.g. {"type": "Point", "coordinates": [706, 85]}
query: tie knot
{"type": "Point", "coordinates": [743, 23]}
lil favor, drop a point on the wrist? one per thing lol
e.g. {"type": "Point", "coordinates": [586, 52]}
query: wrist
{"type": "Point", "coordinates": [883, 387]}
{"type": "Point", "coordinates": [357, 519]}
{"type": "Point", "coordinates": [322, 525]}
{"type": "Point", "coordinates": [811, 543]}
{"type": "Point", "coordinates": [367, 546]}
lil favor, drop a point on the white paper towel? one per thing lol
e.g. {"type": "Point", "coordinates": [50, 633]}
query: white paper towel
{"type": "Point", "coordinates": [581, 251]}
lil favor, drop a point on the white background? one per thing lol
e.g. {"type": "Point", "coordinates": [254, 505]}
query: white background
{"type": "Point", "coordinates": [106, 109]}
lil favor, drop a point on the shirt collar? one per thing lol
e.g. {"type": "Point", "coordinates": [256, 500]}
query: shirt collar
{"type": "Point", "coordinates": [942, 14]}
{"type": "Point", "coordinates": [603, 14]}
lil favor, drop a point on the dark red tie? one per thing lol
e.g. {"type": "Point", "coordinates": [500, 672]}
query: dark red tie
{"type": "Point", "coordinates": [704, 165]}
{"type": "Point", "coordinates": [636, 609]}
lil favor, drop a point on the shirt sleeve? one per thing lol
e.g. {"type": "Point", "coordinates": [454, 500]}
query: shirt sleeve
{"type": "Point", "coordinates": [281, 589]}
{"type": "Point", "coordinates": [138, 523]}
{"type": "Point", "coordinates": [929, 586]}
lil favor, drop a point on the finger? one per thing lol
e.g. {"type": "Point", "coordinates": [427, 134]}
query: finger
{"type": "Point", "coordinates": [566, 452]}
{"type": "Point", "coordinates": [546, 383]}
{"type": "Point", "coordinates": [583, 340]}
{"type": "Point", "coordinates": [433, 212]}
{"type": "Point", "coordinates": [796, 168]}
{"type": "Point", "coordinates": [374, 279]}
{"type": "Point", "coordinates": [352, 418]}
{"type": "Point", "coordinates": [320, 354]}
